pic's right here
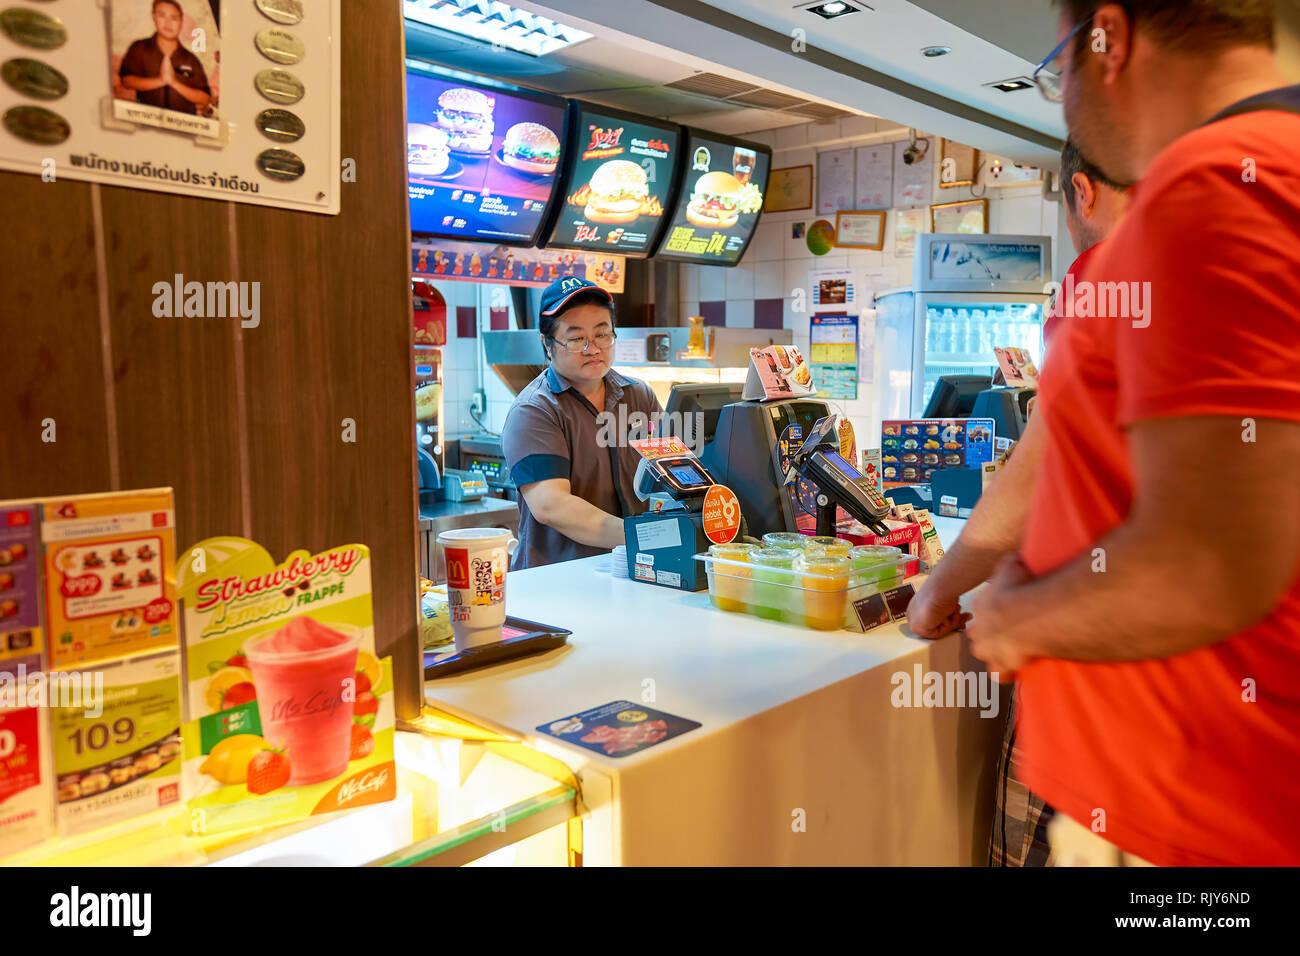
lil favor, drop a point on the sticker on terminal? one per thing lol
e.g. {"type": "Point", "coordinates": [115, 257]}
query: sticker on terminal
{"type": "Point", "coordinates": [645, 573]}
{"type": "Point", "coordinates": [670, 578]}
{"type": "Point", "coordinates": [721, 515]}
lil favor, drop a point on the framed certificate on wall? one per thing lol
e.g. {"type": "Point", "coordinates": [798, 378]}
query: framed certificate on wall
{"type": "Point", "coordinates": [968, 216]}
{"type": "Point", "coordinates": [860, 229]}
{"type": "Point", "coordinates": [790, 188]}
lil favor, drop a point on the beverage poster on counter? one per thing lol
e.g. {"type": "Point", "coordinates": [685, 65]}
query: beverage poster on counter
{"type": "Point", "coordinates": [290, 711]}
{"type": "Point", "coordinates": [619, 729]}
{"type": "Point", "coordinates": [620, 177]}
{"type": "Point", "coordinates": [719, 202]}
{"type": "Point", "coordinates": [244, 107]}
{"type": "Point", "coordinates": [912, 450]}
{"type": "Point", "coordinates": [456, 261]}
{"type": "Point", "coordinates": [108, 585]}
{"type": "Point", "coordinates": [777, 371]}
{"type": "Point", "coordinates": [833, 349]}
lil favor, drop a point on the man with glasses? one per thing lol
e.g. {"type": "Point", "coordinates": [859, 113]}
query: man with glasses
{"type": "Point", "coordinates": [573, 468]}
{"type": "Point", "coordinates": [1152, 616]}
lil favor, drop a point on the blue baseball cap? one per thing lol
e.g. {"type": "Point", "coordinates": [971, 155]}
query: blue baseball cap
{"type": "Point", "coordinates": [557, 295]}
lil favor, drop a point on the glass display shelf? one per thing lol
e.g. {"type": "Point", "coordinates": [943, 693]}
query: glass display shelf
{"type": "Point", "coordinates": [465, 795]}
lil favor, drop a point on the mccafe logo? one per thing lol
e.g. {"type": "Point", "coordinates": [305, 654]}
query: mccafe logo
{"type": "Point", "coordinates": [605, 138]}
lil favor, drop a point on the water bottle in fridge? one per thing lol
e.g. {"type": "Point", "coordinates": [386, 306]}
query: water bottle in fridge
{"type": "Point", "coordinates": [959, 321]}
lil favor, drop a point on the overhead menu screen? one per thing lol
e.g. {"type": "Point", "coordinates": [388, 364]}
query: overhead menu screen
{"type": "Point", "coordinates": [482, 164]}
{"type": "Point", "coordinates": [619, 176]}
{"type": "Point", "coordinates": [720, 200]}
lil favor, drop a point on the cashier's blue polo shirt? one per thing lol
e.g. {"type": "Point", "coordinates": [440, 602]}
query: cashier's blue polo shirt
{"type": "Point", "coordinates": [553, 431]}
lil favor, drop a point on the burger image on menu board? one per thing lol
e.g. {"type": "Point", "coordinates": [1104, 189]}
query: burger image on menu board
{"type": "Point", "coordinates": [714, 203]}
{"type": "Point", "coordinates": [427, 149]}
{"type": "Point", "coordinates": [618, 192]}
{"type": "Point", "coordinates": [532, 148]}
{"type": "Point", "coordinates": [466, 116]}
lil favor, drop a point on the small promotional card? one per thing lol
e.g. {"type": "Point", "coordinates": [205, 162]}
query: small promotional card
{"type": "Point", "coordinates": [1017, 367]}
{"type": "Point", "coordinates": [108, 588]}
{"type": "Point", "coordinates": [619, 729]}
{"type": "Point", "coordinates": [652, 448]}
{"type": "Point", "coordinates": [877, 610]}
{"type": "Point", "coordinates": [20, 589]}
{"type": "Point", "coordinates": [117, 741]}
{"type": "Point", "coordinates": [777, 371]}
{"type": "Point", "coordinates": [290, 710]}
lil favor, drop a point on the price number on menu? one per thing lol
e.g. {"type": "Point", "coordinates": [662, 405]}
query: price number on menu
{"type": "Point", "coordinates": [84, 585]}
{"type": "Point", "coordinates": [8, 743]}
{"type": "Point", "coordinates": [99, 736]}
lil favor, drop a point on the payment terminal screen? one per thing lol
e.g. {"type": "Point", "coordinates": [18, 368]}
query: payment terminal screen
{"type": "Point", "coordinates": [842, 465]}
{"type": "Point", "coordinates": [686, 475]}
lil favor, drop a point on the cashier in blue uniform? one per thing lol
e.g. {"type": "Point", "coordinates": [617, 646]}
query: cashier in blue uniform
{"type": "Point", "coordinates": [561, 439]}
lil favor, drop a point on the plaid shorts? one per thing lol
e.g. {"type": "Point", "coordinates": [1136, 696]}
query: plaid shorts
{"type": "Point", "coordinates": [1019, 836]}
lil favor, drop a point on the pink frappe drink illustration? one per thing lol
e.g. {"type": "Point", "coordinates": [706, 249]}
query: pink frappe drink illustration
{"type": "Point", "coordinates": [301, 673]}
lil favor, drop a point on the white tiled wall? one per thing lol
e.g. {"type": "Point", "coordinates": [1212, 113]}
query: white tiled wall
{"type": "Point", "coordinates": [776, 263]}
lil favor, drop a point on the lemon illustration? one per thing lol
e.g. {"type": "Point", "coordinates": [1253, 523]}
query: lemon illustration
{"type": "Point", "coordinates": [222, 681]}
{"type": "Point", "coordinates": [228, 760]}
{"type": "Point", "coordinates": [369, 665]}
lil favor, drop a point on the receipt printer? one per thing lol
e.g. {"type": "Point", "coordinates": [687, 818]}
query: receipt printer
{"type": "Point", "coordinates": [662, 543]}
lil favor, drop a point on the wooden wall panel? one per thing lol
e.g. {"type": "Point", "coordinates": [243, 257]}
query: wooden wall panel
{"type": "Point", "coordinates": [173, 376]}
{"type": "Point", "coordinates": [53, 360]}
{"type": "Point", "coordinates": [335, 343]}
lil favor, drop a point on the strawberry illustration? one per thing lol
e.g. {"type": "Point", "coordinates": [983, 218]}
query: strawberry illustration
{"type": "Point", "coordinates": [237, 660]}
{"type": "Point", "coordinates": [363, 742]}
{"type": "Point", "coordinates": [267, 771]}
{"type": "Point", "coordinates": [237, 694]}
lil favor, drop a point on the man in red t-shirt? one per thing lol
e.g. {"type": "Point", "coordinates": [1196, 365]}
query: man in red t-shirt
{"type": "Point", "coordinates": [1153, 617]}
{"type": "Point", "coordinates": [1093, 206]}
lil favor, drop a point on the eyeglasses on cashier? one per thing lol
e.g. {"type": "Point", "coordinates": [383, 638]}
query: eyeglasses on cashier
{"type": "Point", "coordinates": [600, 343]}
{"type": "Point", "coordinates": [1049, 84]}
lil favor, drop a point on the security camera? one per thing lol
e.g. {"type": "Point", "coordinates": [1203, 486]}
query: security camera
{"type": "Point", "coordinates": [915, 151]}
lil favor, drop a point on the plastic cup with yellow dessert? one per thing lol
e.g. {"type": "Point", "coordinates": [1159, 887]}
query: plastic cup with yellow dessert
{"type": "Point", "coordinates": [826, 544]}
{"type": "Point", "coordinates": [824, 579]}
{"type": "Point", "coordinates": [731, 576]}
{"type": "Point", "coordinates": [773, 581]}
{"type": "Point", "coordinates": [790, 540]}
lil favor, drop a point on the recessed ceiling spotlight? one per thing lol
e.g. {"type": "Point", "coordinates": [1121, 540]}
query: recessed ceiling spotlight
{"type": "Point", "coordinates": [933, 51]}
{"type": "Point", "coordinates": [834, 8]}
{"type": "Point", "coordinates": [1012, 85]}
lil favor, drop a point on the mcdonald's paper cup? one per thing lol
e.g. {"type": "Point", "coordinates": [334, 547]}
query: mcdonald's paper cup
{"type": "Point", "coordinates": [477, 560]}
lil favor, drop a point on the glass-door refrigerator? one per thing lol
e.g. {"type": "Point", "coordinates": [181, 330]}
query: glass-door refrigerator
{"type": "Point", "coordinates": [969, 293]}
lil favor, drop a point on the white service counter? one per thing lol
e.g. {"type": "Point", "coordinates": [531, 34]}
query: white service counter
{"type": "Point", "coordinates": [798, 727]}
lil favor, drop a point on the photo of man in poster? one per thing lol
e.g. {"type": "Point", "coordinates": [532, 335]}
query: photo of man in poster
{"type": "Point", "coordinates": [166, 71]}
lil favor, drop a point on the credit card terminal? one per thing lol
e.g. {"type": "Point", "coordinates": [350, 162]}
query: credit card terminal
{"type": "Point", "coordinates": [848, 488]}
{"type": "Point", "coordinates": [683, 477]}
{"type": "Point", "coordinates": [838, 483]}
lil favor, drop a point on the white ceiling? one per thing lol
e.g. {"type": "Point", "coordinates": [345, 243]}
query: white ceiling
{"type": "Point", "coordinates": [889, 38]}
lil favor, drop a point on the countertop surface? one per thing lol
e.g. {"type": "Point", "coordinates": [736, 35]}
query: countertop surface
{"type": "Point", "coordinates": [711, 666]}
{"type": "Point", "coordinates": [445, 509]}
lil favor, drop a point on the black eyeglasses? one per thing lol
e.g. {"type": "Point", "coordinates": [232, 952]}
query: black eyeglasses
{"type": "Point", "coordinates": [1049, 84]}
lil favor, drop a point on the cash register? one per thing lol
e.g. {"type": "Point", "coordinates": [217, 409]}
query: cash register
{"type": "Point", "coordinates": [662, 542]}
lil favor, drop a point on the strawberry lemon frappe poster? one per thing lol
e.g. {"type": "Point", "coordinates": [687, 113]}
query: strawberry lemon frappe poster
{"type": "Point", "coordinates": [290, 710]}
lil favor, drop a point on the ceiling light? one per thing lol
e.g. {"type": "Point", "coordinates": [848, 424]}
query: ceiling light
{"type": "Point", "coordinates": [1012, 85]}
{"type": "Point", "coordinates": [496, 23]}
{"type": "Point", "coordinates": [933, 51]}
{"type": "Point", "coordinates": [834, 8]}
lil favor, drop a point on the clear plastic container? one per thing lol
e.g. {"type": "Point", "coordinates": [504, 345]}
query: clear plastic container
{"type": "Point", "coordinates": [790, 540]}
{"type": "Point", "coordinates": [808, 590]}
